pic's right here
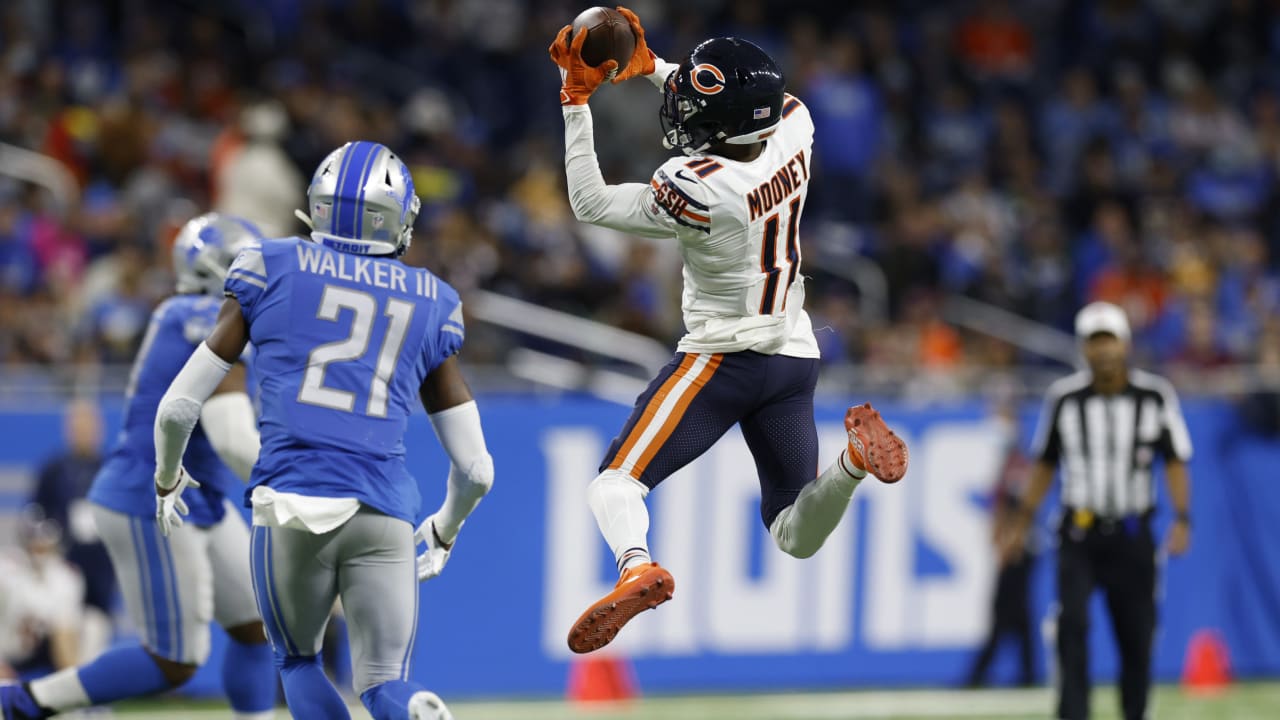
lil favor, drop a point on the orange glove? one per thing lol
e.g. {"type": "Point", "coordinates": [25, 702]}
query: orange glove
{"type": "Point", "coordinates": [642, 58]}
{"type": "Point", "coordinates": [580, 79]}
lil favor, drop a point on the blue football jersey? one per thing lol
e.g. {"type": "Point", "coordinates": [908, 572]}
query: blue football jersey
{"type": "Point", "coordinates": [126, 481]}
{"type": "Point", "coordinates": [342, 344]}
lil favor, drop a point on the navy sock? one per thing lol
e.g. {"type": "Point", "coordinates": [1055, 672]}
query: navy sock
{"type": "Point", "coordinates": [249, 676]}
{"type": "Point", "coordinates": [307, 691]}
{"type": "Point", "coordinates": [122, 672]}
{"type": "Point", "coordinates": [389, 700]}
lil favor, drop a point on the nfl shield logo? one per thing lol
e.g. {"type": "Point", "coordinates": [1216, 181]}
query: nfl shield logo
{"type": "Point", "coordinates": [760, 113]}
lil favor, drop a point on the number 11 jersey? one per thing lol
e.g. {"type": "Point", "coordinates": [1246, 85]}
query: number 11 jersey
{"type": "Point", "coordinates": [343, 343]}
{"type": "Point", "coordinates": [738, 228]}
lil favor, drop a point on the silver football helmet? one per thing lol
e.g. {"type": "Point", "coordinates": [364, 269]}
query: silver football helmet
{"type": "Point", "coordinates": [361, 201]}
{"type": "Point", "coordinates": [205, 248]}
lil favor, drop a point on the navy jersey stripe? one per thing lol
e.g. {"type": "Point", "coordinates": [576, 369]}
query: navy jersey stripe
{"type": "Point", "coordinates": [676, 189]}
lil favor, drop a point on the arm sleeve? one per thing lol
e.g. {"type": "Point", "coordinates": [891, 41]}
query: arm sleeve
{"type": "Point", "coordinates": [628, 207]}
{"type": "Point", "coordinates": [662, 70]}
{"type": "Point", "coordinates": [179, 410]}
{"type": "Point", "coordinates": [229, 422]}
{"type": "Point", "coordinates": [471, 468]}
{"type": "Point", "coordinates": [247, 279]}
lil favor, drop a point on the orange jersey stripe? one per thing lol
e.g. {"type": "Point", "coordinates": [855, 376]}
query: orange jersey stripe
{"type": "Point", "coordinates": [677, 414]}
{"type": "Point", "coordinates": [695, 216]}
{"type": "Point", "coordinates": [650, 410]}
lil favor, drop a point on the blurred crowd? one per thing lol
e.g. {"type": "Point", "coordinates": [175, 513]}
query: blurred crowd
{"type": "Point", "coordinates": [1030, 155]}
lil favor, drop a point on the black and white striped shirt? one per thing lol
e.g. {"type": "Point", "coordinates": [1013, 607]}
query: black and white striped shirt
{"type": "Point", "coordinates": [1106, 444]}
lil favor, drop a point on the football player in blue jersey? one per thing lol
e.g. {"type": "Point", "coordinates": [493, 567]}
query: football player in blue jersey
{"type": "Point", "coordinates": [175, 585]}
{"type": "Point", "coordinates": [346, 340]}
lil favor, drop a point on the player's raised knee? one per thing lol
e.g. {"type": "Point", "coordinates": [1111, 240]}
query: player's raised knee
{"type": "Point", "coordinates": [789, 540]}
{"type": "Point", "coordinates": [796, 548]}
{"type": "Point", "coordinates": [615, 483]}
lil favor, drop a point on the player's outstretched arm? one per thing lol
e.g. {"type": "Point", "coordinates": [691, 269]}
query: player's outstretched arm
{"type": "Point", "coordinates": [621, 207]}
{"type": "Point", "coordinates": [180, 408]}
{"type": "Point", "coordinates": [456, 420]}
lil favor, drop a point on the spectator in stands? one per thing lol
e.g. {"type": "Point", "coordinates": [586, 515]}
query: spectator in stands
{"type": "Point", "coordinates": [995, 43]}
{"type": "Point", "coordinates": [1166, 109]}
{"type": "Point", "coordinates": [1070, 118]}
{"type": "Point", "coordinates": [847, 112]}
{"type": "Point", "coordinates": [258, 181]}
{"type": "Point", "coordinates": [19, 269]}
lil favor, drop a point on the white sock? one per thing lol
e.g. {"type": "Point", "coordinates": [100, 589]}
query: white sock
{"type": "Point", "coordinates": [801, 528]}
{"type": "Point", "coordinates": [617, 501]}
{"type": "Point", "coordinates": [60, 691]}
{"type": "Point", "coordinates": [264, 715]}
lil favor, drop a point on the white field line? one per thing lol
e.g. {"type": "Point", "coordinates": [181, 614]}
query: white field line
{"type": "Point", "coordinates": [1035, 703]}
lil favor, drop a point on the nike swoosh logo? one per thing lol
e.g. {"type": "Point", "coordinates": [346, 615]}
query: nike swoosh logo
{"type": "Point", "coordinates": [680, 174]}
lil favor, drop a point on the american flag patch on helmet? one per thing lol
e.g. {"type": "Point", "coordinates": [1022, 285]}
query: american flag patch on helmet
{"type": "Point", "coordinates": [759, 113]}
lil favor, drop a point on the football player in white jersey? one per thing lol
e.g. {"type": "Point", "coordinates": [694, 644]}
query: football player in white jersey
{"type": "Point", "coordinates": [733, 202]}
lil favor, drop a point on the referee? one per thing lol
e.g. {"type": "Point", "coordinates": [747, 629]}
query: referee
{"type": "Point", "coordinates": [1105, 427]}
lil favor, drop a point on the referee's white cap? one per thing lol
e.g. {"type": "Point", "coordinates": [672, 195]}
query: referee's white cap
{"type": "Point", "coordinates": [1102, 317]}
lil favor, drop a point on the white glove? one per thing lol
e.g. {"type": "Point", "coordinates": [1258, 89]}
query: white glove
{"type": "Point", "coordinates": [431, 561]}
{"type": "Point", "coordinates": [169, 504]}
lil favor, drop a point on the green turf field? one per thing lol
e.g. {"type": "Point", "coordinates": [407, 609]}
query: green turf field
{"type": "Point", "coordinates": [1248, 701]}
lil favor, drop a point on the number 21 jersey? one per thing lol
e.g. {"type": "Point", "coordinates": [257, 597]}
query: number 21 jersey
{"type": "Point", "coordinates": [343, 344]}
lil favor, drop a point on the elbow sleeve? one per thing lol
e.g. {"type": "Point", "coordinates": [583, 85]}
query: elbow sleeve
{"type": "Point", "coordinates": [475, 481]}
{"type": "Point", "coordinates": [179, 409]}
{"type": "Point", "coordinates": [175, 419]}
{"type": "Point", "coordinates": [471, 472]}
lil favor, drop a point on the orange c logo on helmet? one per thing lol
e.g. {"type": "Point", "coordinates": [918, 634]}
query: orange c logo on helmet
{"type": "Point", "coordinates": [707, 79]}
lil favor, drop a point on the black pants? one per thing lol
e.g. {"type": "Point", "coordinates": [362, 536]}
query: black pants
{"type": "Point", "coordinates": [1011, 618]}
{"type": "Point", "coordinates": [1119, 558]}
{"type": "Point", "coordinates": [697, 397]}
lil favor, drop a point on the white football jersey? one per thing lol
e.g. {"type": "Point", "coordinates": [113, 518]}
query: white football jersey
{"type": "Point", "coordinates": [738, 228]}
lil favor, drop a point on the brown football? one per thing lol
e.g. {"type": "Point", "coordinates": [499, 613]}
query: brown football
{"type": "Point", "coordinates": [609, 36]}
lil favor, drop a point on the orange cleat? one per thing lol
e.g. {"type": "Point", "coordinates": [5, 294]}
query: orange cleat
{"type": "Point", "coordinates": [873, 446]}
{"type": "Point", "coordinates": [643, 587]}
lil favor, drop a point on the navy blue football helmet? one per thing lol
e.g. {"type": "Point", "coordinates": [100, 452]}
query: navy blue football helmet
{"type": "Point", "coordinates": [728, 90]}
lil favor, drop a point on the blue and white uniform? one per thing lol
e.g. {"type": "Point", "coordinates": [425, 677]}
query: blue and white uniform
{"type": "Point", "coordinates": [343, 343]}
{"type": "Point", "coordinates": [175, 584]}
{"type": "Point", "coordinates": [173, 587]}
